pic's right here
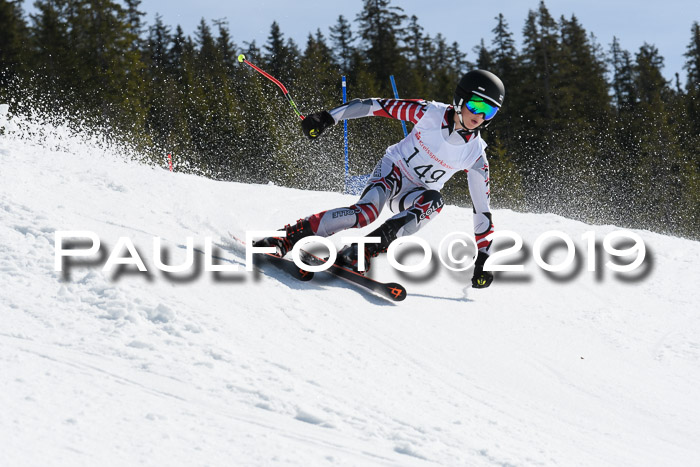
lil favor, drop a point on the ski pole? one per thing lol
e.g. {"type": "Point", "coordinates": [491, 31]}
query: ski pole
{"type": "Point", "coordinates": [396, 95]}
{"type": "Point", "coordinates": [242, 59]}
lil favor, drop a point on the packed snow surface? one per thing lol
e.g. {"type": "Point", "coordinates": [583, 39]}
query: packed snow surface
{"type": "Point", "coordinates": [123, 367]}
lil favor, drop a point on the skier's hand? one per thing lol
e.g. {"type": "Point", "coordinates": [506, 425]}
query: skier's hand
{"type": "Point", "coordinates": [314, 124]}
{"type": "Point", "coordinates": [481, 278]}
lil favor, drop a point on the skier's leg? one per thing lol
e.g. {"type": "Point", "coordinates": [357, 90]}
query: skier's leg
{"type": "Point", "coordinates": [416, 208]}
{"type": "Point", "coordinates": [385, 181]}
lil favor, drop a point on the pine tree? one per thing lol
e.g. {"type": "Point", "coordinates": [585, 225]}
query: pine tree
{"type": "Point", "coordinates": [692, 67]}
{"type": "Point", "coordinates": [624, 91]}
{"type": "Point", "coordinates": [505, 64]}
{"type": "Point", "coordinates": [380, 26]}
{"type": "Point", "coordinates": [541, 47]}
{"type": "Point", "coordinates": [650, 82]}
{"type": "Point", "coordinates": [133, 18]}
{"type": "Point", "coordinates": [414, 40]}
{"type": "Point", "coordinates": [582, 88]}
{"type": "Point", "coordinates": [177, 50]}
{"type": "Point", "coordinates": [503, 49]}
{"type": "Point", "coordinates": [414, 81]}
{"type": "Point", "coordinates": [227, 48]}
{"type": "Point", "coordinates": [87, 58]}
{"type": "Point", "coordinates": [444, 66]}
{"type": "Point", "coordinates": [342, 39]}
{"type": "Point", "coordinates": [208, 56]}
{"type": "Point", "coordinates": [320, 73]}
{"type": "Point", "coordinates": [52, 56]}
{"type": "Point", "coordinates": [484, 58]}
{"type": "Point", "coordinates": [13, 53]}
{"type": "Point", "coordinates": [157, 44]}
{"type": "Point", "coordinates": [547, 54]}
{"type": "Point", "coordinates": [167, 122]}
{"type": "Point", "coordinates": [282, 56]}
{"type": "Point", "coordinates": [458, 60]}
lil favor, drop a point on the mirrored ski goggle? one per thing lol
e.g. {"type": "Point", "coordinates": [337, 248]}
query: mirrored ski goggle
{"type": "Point", "coordinates": [477, 105]}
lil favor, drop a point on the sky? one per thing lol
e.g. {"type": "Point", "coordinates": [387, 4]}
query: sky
{"type": "Point", "coordinates": [633, 22]}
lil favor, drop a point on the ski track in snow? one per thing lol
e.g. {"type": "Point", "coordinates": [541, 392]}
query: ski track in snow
{"type": "Point", "coordinates": [253, 368]}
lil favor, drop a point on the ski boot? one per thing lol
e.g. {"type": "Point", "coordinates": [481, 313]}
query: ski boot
{"type": "Point", "coordinates": [292, 234]}
{"type": "Point", "coordinates": [349, 255]}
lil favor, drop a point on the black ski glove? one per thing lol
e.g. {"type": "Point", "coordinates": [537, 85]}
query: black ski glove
{"type": "Point", "coordinates": [314, 124]}
{"type": "Point", "coordinates": [481, 279]}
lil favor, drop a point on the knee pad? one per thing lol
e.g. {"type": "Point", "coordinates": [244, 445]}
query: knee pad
{"type": "Point", "coordinates": [428, 204]}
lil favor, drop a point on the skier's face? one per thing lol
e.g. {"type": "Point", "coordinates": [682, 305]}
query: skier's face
{"type": "Point", "coordinates": [471, 121]}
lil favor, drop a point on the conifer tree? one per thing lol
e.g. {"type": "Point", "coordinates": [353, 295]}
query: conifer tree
{"type": "Point", "coordinates": [484, 58]}
{"type": "Point", "coordinates": [13, 53]}
{"type": "Point", "coordinates": [380, 27]}
{"type": "Point", "coordinates": [503, 49]}
{"type": "Point", "coordinates": [158, 65]}
{"type": "Point", "coordinates": [505, 64]}
{"type": "Point", "coordinates": [227, 48]}
{"type": "Point", "coordinates": [624, 91]}
{"type": "Point", "coordinates": [692, 67]}
{"type": "Point", "coordinates": [133, 18]}
{"type": "Point", "coordinates": [583, 89]}
{"type": "Point", "coordinates": [414, 40]}
{"type": "Point", "coordinates": [281, 57]}
{"type": "Point", "coordinates": [157, 45]}
{"type": "Point", "coordinates": [342, 40]}
{"type": "Point", "coordinates": [541, 46]}
{"type": "Point", "coordinates": [52, 56]}
{"type": "Point", "coordinates": [650, 82]}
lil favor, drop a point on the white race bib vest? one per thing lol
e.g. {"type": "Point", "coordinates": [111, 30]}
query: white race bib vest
{"type": "Point", "coordinates": [426, 158]}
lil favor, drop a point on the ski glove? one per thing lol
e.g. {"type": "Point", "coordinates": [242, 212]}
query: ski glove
{"type": "Point", "coordinates": [314, 124]}
{"type": "Point", "coordinates": [481, 279]}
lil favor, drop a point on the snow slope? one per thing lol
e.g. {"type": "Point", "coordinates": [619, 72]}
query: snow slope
{"type": "Point", "coordinates": [252, 368]}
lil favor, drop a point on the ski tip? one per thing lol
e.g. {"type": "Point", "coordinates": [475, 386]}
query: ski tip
{"type": "Point", "coordinates": [396, 291]}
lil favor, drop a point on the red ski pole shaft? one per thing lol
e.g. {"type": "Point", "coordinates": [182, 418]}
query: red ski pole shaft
{"type": "Point", "coordinates": [242, 59]}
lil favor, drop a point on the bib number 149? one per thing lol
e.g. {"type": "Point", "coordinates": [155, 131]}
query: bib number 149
{"type": "Point", "coordinates": [424, 172]}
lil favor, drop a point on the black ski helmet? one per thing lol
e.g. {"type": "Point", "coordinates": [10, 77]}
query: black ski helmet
{"type": "Point", "coordinates": [482, 83]}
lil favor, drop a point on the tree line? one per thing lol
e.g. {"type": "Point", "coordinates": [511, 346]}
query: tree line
{"type": "Point", "coordinates": [593, 132]}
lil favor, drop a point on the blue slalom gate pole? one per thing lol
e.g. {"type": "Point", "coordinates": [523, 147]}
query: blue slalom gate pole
{"type": "Point", "coordinates": [396, 95]}
{"type": "Point", "coordinates": [345, 136]}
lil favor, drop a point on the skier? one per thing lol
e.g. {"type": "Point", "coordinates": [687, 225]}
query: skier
{"type": "Point", "coordinates": [445, 139]}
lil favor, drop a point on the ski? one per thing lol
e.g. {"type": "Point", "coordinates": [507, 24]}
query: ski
{"type": "Point", "coordinates": [286, 265]}
{"type": "Point", "coordinates": [390, 290]}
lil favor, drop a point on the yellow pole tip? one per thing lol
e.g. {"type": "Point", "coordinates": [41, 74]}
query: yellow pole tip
{"type": "Point", "coordinates": [241, 58]}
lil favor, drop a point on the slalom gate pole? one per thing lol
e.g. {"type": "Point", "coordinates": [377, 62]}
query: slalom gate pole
{"type": "Point", "coordinates": [396, 95]}
{"type": "Point", "coordinates": [345, 136]}
{"type": "Point", "coordinates": [242, 59]}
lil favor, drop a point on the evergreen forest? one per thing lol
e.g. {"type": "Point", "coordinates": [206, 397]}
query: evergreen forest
{"type": "Point", "coordinates": [589, 131]}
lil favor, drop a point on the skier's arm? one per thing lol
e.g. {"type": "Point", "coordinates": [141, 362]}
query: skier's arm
{"type": "Point", "coordinates": [480, 192]}
{"type": "Point", "coordinates": [409, 110]}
